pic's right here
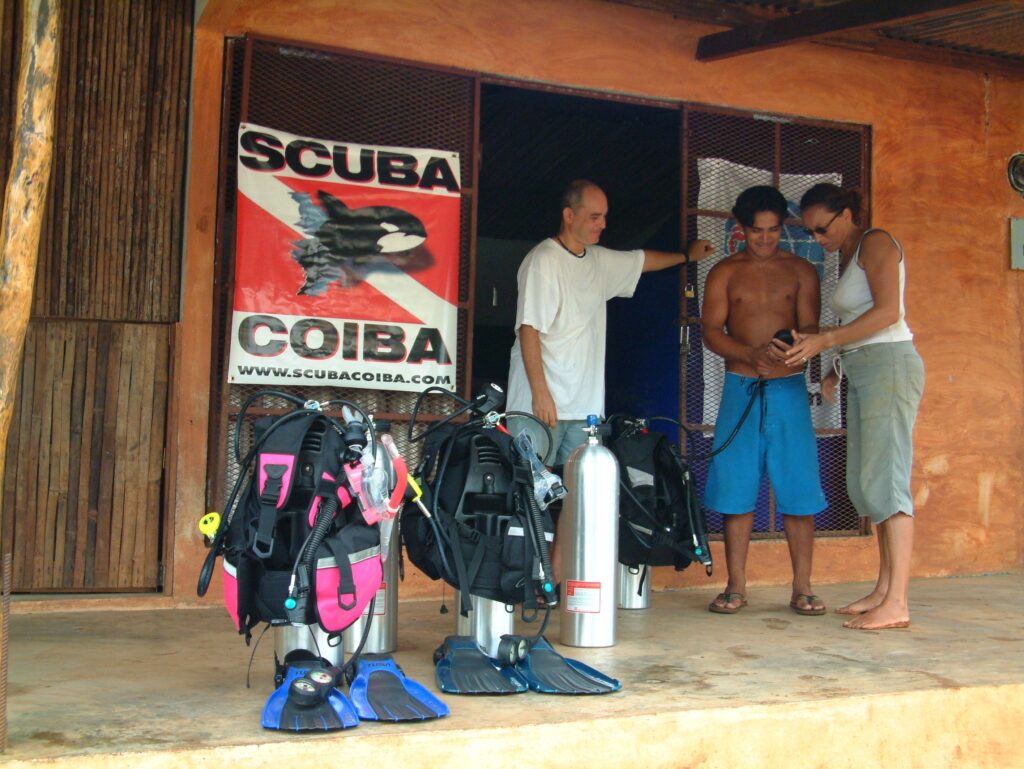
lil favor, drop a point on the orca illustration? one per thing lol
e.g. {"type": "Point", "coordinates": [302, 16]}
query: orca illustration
{"type": "Point", "coordinates": [342, 238]}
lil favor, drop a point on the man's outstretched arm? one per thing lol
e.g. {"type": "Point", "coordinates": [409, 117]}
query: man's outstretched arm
{"type": "Point", "coordinates": [660, 260]}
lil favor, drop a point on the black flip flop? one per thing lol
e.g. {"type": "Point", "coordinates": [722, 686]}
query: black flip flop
{"type": "Point", "coordinates": [727, 598]}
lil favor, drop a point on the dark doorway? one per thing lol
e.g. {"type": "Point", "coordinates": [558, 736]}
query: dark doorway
{"type": "Point", "coordinates": [533, 143]}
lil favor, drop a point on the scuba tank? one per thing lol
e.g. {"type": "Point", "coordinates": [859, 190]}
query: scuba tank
{"type": "Point", "coordinates": [588, 530]}
{"type": "Point", "coordinates": [486, 622]}
{"type": "Point", "coordinates": [311, 638]}
{"type": "Point", "coordinates": [382, 637]}
{"type": "Point", "coordinates": [387, 472]}
{"type": "Point", "coordinates": [634, 587]}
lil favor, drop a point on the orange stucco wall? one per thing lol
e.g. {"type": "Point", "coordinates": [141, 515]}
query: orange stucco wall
{"type": "Point", "coordinates": [941, 139]}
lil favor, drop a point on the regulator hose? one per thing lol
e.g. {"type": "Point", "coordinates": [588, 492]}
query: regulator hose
{"type": "Point", "coordinates": [755, 390]}
{"type": "Point", "coordinates": [302, 577]}
{"type": "Point", "coordinates": [540, 541]}
{"type": "Point", "coordinates": [324, 517]}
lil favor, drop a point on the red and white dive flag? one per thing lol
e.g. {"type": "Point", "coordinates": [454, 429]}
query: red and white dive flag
{"type": "Point", "coordinates": [346, 264]}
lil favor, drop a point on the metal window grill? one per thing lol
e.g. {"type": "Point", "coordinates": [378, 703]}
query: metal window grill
{"type": "Point", "coordinates": [725, 151]}
{"type": "Point", "coordinates": [326, 93]}
{"type": "Point", "coordinates": [347, 97]}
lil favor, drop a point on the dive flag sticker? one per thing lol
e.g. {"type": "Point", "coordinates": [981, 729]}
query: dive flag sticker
{"type": "Point", "coordinates": [582, 597]}
{"type": "Point", "coordinates": [346, 263]}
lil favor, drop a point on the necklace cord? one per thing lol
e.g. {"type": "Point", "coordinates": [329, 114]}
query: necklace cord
{"type": "Point", "coordinates": [578, 256]}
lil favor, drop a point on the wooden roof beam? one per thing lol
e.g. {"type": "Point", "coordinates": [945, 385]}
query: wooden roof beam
{"type": "Point", "coordinates": [817, 22]}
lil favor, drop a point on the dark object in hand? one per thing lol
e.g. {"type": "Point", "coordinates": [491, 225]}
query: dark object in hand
{"type": "Point", "coordinates": [784, 335]}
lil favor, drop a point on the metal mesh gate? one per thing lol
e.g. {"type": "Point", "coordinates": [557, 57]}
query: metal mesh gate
{"type": "Point", "coordinates": [346, 96]}
{"type": "Point", "coordinates": [724, 152]}
{"type": "Point", "coordinates": [342, 96]}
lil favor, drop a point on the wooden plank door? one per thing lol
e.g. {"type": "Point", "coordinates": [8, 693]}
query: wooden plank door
{"type": "Point", "coordinates": [81, 501]}
{"type": "Point", "coordinates": [83, 484]}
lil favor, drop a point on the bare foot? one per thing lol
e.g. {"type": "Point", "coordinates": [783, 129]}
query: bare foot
{"type": "Point", "coordinates": [862, 605]}
{"type": "Point", "coordinates": [880, 618]}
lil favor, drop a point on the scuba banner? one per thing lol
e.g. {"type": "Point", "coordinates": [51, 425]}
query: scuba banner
{"type": "Point", "coordinates": [346, 265]}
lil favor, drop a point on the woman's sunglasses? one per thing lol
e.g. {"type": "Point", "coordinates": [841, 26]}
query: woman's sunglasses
{"type": "Point", "coordinates": [822, 230]}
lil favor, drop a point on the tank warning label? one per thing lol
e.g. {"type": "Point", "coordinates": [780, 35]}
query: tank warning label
{"type": "Point", "coordinates": [582, 597]}
{"type": "Point", "coordinates": [381, 602]}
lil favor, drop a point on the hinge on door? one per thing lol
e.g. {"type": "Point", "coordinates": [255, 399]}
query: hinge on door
{"type": "Point", "coordinates": [684, 338]}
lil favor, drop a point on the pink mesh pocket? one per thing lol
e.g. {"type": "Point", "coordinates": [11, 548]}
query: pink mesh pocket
{"type": "Point", "coordinates": [343, 592]}
{"type": "Point", "coordinates": [230, 575]}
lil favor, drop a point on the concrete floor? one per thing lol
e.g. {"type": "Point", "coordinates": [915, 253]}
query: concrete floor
{"type": "Point", "coordinates": [762, 688]}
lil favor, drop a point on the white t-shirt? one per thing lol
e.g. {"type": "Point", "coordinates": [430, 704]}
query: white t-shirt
{"type": "Point", "coordinates": [564, 297]}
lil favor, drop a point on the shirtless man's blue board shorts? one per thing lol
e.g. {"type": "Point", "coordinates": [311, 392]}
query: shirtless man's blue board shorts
{"type": "Point", "coordinates": [777, 436]}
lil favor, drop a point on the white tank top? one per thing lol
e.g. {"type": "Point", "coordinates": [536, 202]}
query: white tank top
{"type": "Point", "coordinates": [852, 298]}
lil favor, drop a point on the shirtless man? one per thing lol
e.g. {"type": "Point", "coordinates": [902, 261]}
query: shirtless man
{"type": "Point", "coordinates": [748, 297]}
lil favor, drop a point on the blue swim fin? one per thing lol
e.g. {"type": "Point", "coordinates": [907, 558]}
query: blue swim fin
{"type": "Point", "coordinates": [308, 701]}
{"type": "Point", "coordinates": [381, 692]}
{"type": "Point", "coordinates": [548, 672]}
{"type": "Point", "coordinates": [462, 667]}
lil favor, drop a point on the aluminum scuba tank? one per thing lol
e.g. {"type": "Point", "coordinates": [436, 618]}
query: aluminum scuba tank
{"type": "Point", "coordinates": [487, 622]}
{"type": "Point", "coordinates": [382, 637]}
{"type": "Point", "coordinates": [383, 633]}
{"type": "Point", "coordinates": [588, 531]}
{"type": "Point", "coordinates": [312, 638]}
{"type": "Point", "coordinates": [634, 587]}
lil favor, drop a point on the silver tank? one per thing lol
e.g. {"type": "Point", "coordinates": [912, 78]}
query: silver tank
{"type": "Point", "coordinates": [313, 638]}
{"type": "Point", "coordinates": [383, 634]}
{"type": "Point", "coordinates": [487, 622]}
{"type": "Point", "coordinates": [634, 588]}
{"type": "Point", "coordinates": [588, 536]}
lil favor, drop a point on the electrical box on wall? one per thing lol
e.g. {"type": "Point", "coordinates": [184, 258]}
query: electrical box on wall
{"type": "Point", "coordinates": [1017, 243]}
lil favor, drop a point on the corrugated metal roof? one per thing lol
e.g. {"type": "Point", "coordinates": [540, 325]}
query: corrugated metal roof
{"type": "Point", "coordinates": [974, 34]}
{"type": "Point", "coordinates": [994, 30]}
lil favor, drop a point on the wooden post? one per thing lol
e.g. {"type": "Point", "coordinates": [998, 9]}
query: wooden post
{"type": "Point", "coordinates": [25, 195]}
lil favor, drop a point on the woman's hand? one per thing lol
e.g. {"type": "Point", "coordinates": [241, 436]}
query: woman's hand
{"type": "Point", "coordinates": [828, 387]}
{"type": "Point", "coordinates": [778, 353]}
{"type": "Point", "coordinates": [806, 346]}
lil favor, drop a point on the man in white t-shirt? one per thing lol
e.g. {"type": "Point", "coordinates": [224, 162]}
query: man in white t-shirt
{"type": "Point", "coordinates": [556, 369]}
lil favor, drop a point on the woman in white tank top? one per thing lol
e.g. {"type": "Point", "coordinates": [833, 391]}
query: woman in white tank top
{"type": "Point", "coordinates": [885, 378]}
